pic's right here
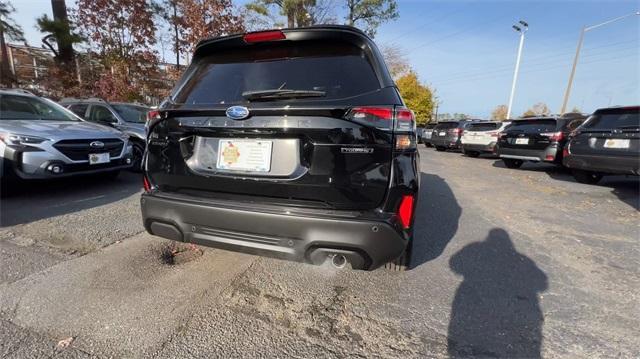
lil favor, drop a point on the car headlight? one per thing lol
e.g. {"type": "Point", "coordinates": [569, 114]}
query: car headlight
{"type": "Point", "coordinates": [16, 139]}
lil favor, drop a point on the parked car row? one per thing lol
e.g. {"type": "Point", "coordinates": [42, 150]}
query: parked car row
{"type": "Point", "coordinates": [607, 142]}
{"type": "Point", "coordinates": [41, 139]}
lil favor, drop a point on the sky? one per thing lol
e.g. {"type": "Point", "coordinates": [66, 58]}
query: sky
{"type": "Point", "coordinates": [466, 50]}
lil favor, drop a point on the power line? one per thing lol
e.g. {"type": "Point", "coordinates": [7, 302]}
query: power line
{"type": "Point", "coordinates": [507, 71]}
{"type": "Point", "coordinates": [439, 19]}
{"type": "Point", "coordinates": [531, 61]}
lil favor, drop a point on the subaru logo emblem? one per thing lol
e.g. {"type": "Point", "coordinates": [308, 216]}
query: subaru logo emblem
{"type": "Point", "coordinates": [237, 112]}
{"type": "Point", "coordinates": [96, 144]}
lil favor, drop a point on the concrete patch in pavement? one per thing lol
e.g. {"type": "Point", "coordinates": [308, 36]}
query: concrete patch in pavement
{"type": "Point", "coordinates": [119, 297]}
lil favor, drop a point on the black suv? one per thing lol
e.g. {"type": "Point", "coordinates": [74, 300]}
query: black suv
{"type": "Point", "coordinates": [289, 143]}
{"type": "Point", "coordinates": [608, 142]}
{"type": "Point", "coordinates": [446, 134]}
{"type": "Point", "coordinates": [536, 139]}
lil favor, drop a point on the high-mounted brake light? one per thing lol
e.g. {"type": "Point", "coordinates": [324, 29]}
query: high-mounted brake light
{"type": "Point", "coordinates": [405, 211]}
{"type": "Point", "coordinates": [264, 36]}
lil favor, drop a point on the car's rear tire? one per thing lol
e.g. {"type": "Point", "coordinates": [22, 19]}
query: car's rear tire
{"type": "Point", "coordinates": [586, 177]}
{"type": "Point", "coordinates": [512, 163]}
{"type": "Point", "coordinates": [440, 148]}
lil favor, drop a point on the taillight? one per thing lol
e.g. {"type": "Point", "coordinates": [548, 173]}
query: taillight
{"type": "Point", "coordinates": [405, 211]}
{"type": "Point", "coordinates": [456, 131]}
{"type": "Point", "coordinates": [146, 184]}
{"type": "Point", "coordinates": [495, 134]}
{"type": "Point", "coordinates": [565, 152]}
{"type": "Point", "coordinates": [553, 136]}
{"type": "Point", "coordinates": [153, 115]}
{"type": "Point", "coordinates": [401, 121]}
{"type": "Point", "coordinates": [264, 36]}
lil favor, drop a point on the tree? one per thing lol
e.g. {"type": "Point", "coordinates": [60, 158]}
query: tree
{"type": "Point", "coordinates": [121, 35]}
{"type": "Point", "coordinates": [59, 30]}
{"type": "Point", "coordinates": [201, 19]}
{"type": "Point", "coordinates": [298, 13]}
{"type": "Point", "coordinates": [499, 113]}
{"type": "Point", "coordinates": [539, 109]}
{"type": "Point", "coordinates": [417, 97]}
{"type": "Point", "coordinates": [11, 30]}
{"type": "Point", "coordinates": [576, 109]}
{"type": "Point", "coordinates": [369, 14]}
{"type": "Point", "coordinates": [396, 61]}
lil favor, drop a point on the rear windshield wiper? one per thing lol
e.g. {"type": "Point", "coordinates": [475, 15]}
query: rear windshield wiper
{"type": "Point", "coordinates": [264, 95]}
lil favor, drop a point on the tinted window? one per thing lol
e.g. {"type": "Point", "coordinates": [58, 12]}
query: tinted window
{"type": "Point", "coordinates": [615, 119]}
{"type": "Point", "coordinates": [541, 125]}
{"type": "Point", "coordinates": [484, 126]}
{"type": "Point", "coordinates": [430, 126]}
{"type": "Point", "coordinates": [132, 113]}
{"type": "Point", "coordinates": [101, 114]}
{"type": "Point", "coordinates": [446, 125]}
{"type": "Point", "coordinates": [340, 70]}
{"type": "Point", "coordinates": [31, 108]}
{"type": "Point", "coordinates": [79, 109]}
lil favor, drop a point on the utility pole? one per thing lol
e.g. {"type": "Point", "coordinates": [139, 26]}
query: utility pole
{"type": "Point", "coordinates": [521, 30]}
{"type": "Point", "coordinates": [567, 93]}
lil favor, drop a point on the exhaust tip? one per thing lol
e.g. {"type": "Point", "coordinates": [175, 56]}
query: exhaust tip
{"type": "Point", "coordinates": [339, 261]}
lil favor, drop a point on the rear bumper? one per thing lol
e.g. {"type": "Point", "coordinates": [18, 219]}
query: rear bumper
{"type": "Point", "coordinates": [489, 148]}
{"type": "Point", "coordinates": [604, 164]}
{"type": "Point", "coordinates": [445, 142]}
{"type": "Point", "coordinates": [549, 154]}
{"type": "Point", "coordinates": [306, 236]}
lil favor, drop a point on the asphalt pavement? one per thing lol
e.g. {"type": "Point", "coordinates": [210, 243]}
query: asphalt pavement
{"type": "Point", "coordinates": [509, 263]}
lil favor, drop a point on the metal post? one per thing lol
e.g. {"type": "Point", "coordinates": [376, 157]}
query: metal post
{"type": "Point", "coordinates": [515, 75]}
{"type": "Point", "coordinates": [567, 93]}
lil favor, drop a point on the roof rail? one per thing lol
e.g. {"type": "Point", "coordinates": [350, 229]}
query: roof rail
{"type": "Point", "coordinates": [23, 91]}
{"type": "Point", "coordinates": [83, 99]}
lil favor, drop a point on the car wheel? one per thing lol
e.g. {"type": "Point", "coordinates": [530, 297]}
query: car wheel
{"type": "Point", "coordinates": [440, 148]}
{"type": "Point", "coordinates": [586, 177]}
{"type": "Point", "coordinates": [138, 152]}
{"type": "Point", "coordinates": [426, 144]}
{"type": "Point", "coordinates": [512, 163]}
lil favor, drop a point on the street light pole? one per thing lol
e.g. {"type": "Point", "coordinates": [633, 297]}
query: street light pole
{"type": "Point", "coordinates": [521, 30]}
{"type": "Point", "coordinates": [567, 93]}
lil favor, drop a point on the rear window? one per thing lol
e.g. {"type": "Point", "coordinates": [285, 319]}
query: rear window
{"type": "Point", "coordinates": [613, 120]}
{"type": "Point", "coordinates": [132, 113]}
{"type": "Point", "coordinates": [340, 70]}
{"type": "Point", "coordinates": [541, 125]}
{"type": "Point", "coordinates": [446, 125]}
{"type": "Point", "coordinates": [429, 126]}
{"type": "Point", "coordinates": [486, 126]}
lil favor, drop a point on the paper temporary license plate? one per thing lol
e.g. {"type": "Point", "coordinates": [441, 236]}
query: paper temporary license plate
{"type": "Point", "coordinates": [442, 133]}
{"type": "Point", "coordinates": [244, 155]}
{"type": "Point", "coordinates": [522, 141]}
{"type": "Point", "coordinates": [97, 158]}
{"type": "Point", "coordinates": [616, 143]}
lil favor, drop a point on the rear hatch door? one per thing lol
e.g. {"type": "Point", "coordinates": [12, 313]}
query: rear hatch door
{"type": "Point", "coordinates": [529, 134]}
{"type": "Point", "coordinates": [611, 132]}
{"type": "Point", "coordinates": [482, 133]}
{"type": "Point", "coordinates": [327, 143]}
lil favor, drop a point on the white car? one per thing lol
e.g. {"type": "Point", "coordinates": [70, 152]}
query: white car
{"type": "Point", "coordinates": [481, 137]}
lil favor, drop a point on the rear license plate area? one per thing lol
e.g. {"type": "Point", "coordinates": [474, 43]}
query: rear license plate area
{"type": "Point", "coordinates": [616, 143]}
{"type": "Point", "coordinates": [244, 155]}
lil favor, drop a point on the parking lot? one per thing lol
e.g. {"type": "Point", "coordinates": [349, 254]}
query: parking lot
{"type": "Point", "coordinates": [513, 263]}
